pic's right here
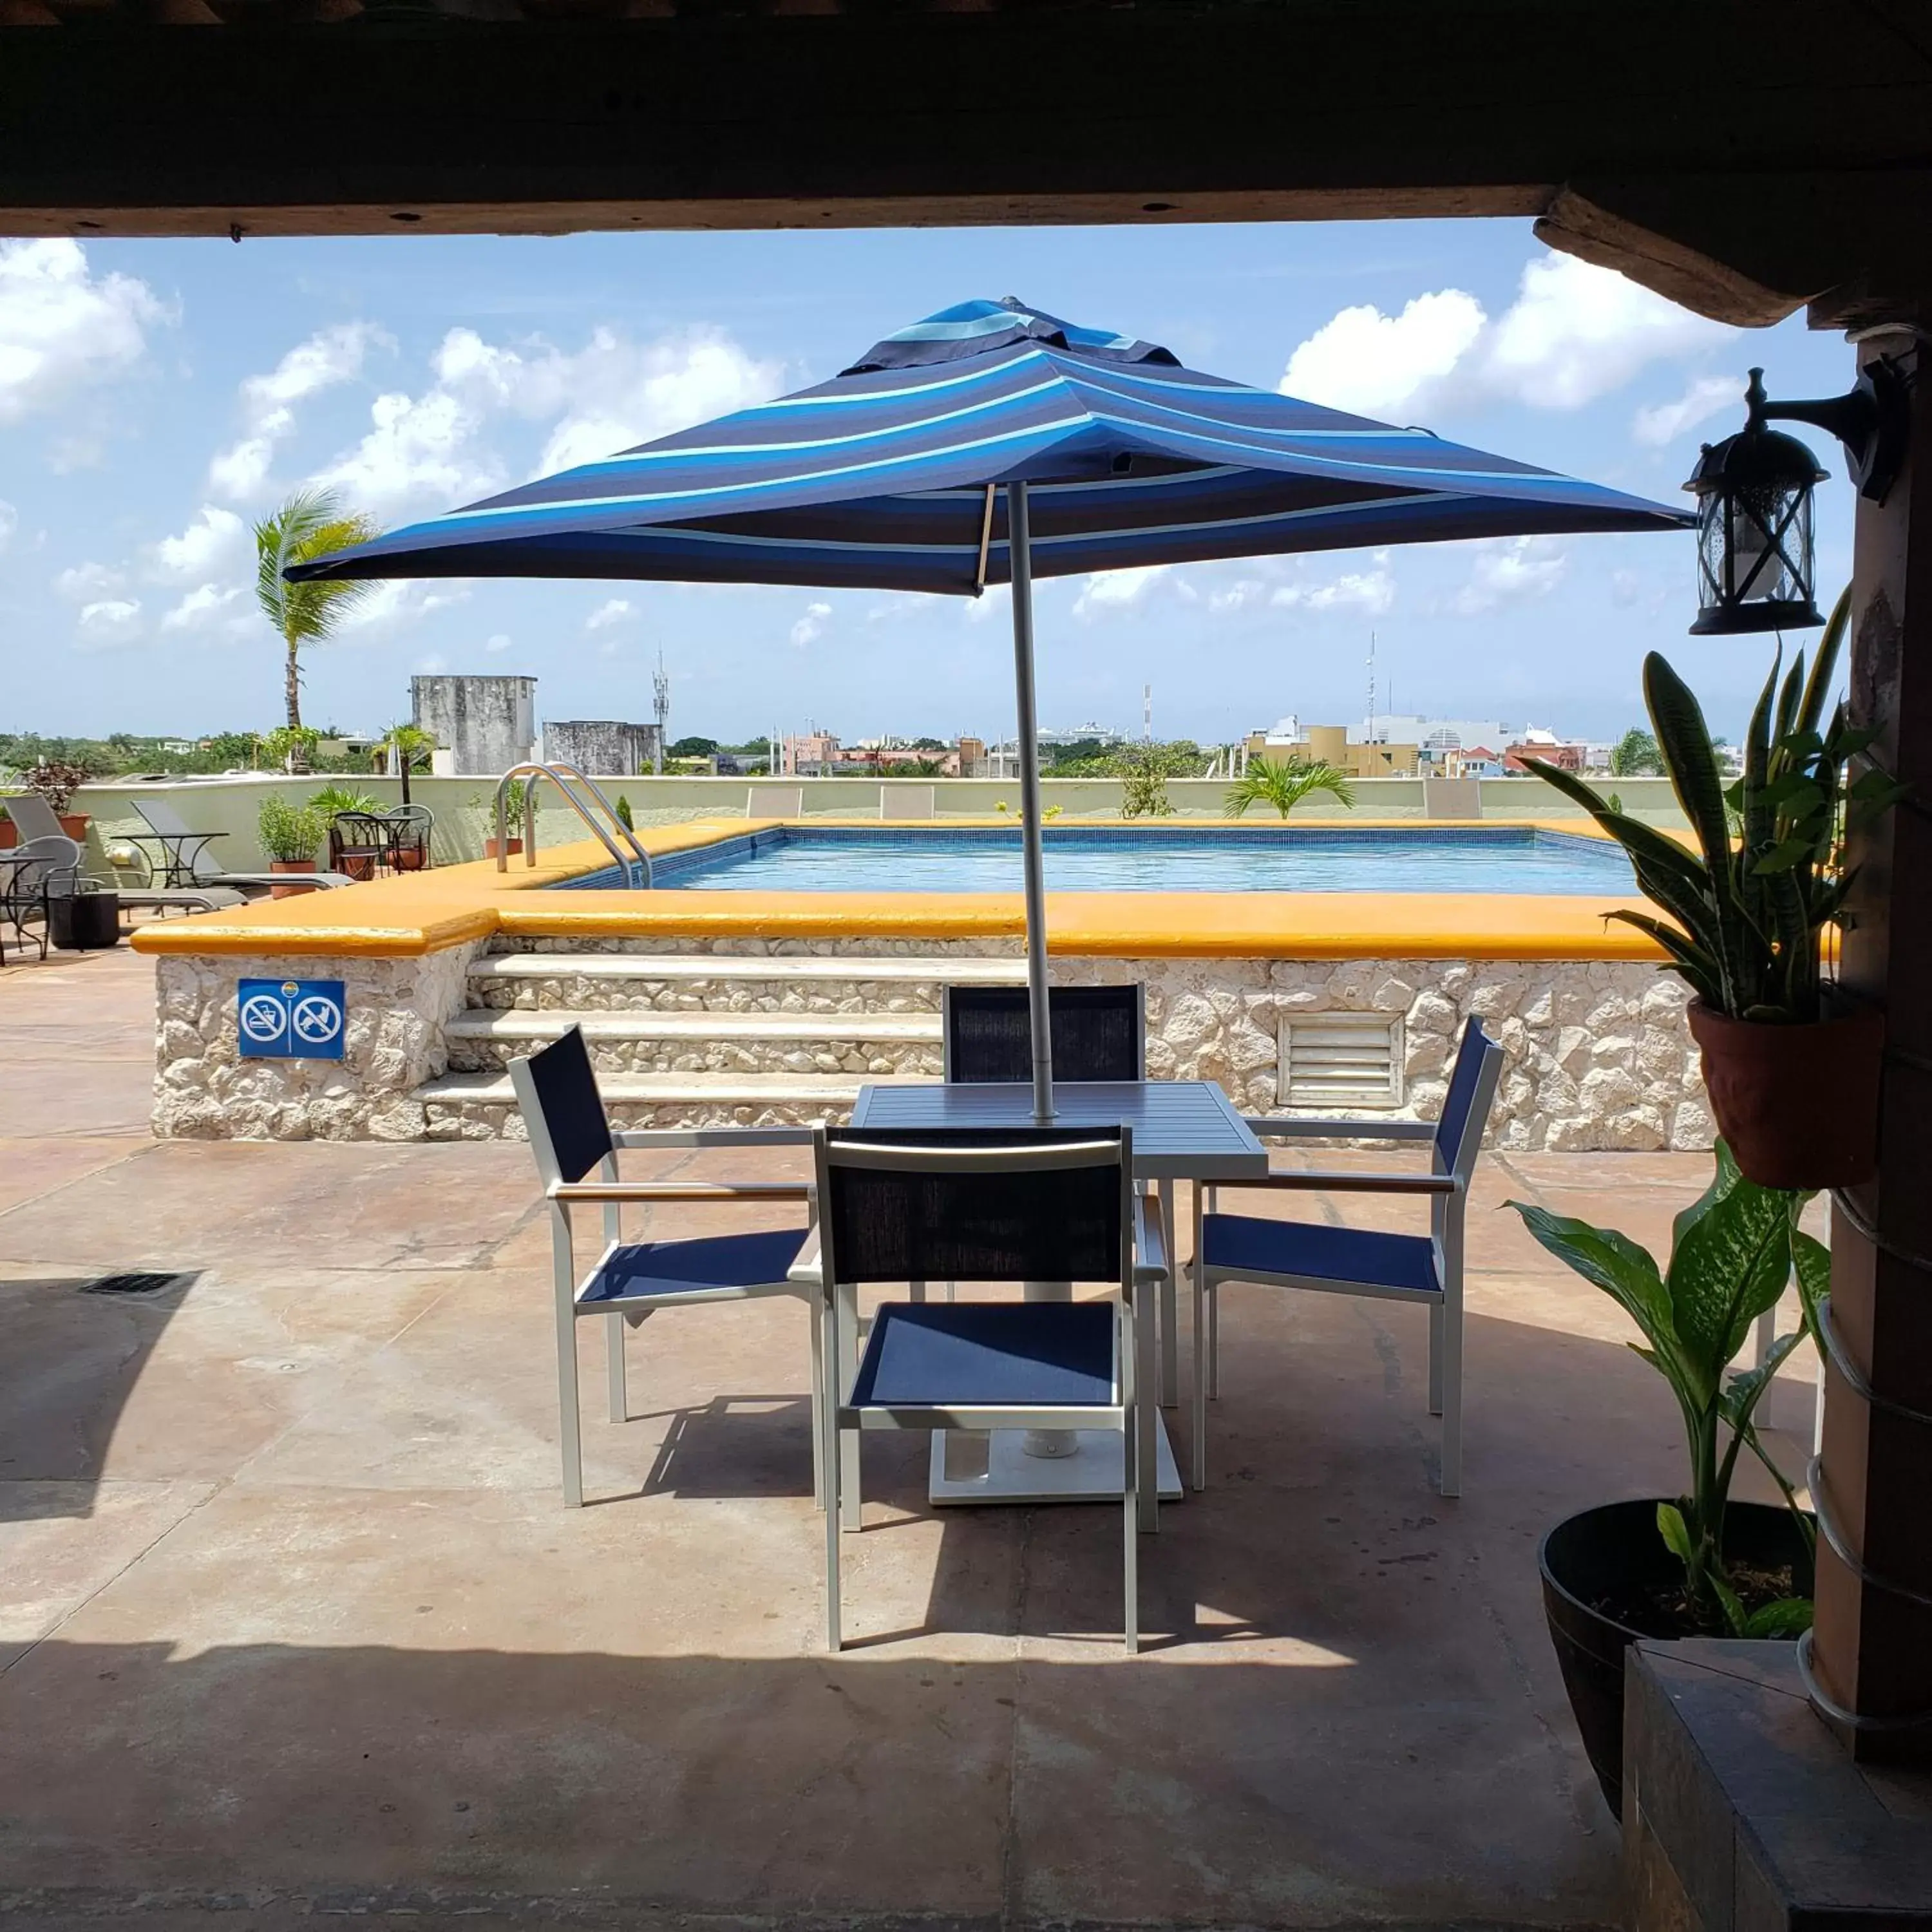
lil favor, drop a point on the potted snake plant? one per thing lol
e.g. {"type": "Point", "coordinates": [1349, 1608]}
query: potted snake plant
{"type": "Point", "coordinates": [1790, 1064]}
{"type": "Point", "coordinates": [1696, 1565]}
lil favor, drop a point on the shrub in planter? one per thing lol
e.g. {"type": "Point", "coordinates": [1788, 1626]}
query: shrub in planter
{"type": "Point", "coordinates": [514, 798]}
{"type": "Point", "coordinates": [1696, 1565]}
{"type": "Point", "coordinates": [1792, 1073]}
{"type": "Point", "coordinates": [290, 835]}
{"type": "Point", "coordinates": [56, 780]}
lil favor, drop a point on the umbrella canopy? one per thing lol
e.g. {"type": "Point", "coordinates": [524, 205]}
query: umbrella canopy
{"type": "Point", "coordinates": [986, 445]}
{"type": "Point", "coordinates": [880, 478]}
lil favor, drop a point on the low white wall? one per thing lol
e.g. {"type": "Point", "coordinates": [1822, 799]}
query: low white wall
{"type": "Point", "coordinates": [229, 805]}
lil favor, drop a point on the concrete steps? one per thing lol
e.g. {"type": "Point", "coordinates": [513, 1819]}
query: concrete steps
{"type": "Point", "coordinates": [483, 1106]}
{"type": "Point", "coordinates": [698, 1039]}
{"type": "Point", "coordinates": [857, 1042]}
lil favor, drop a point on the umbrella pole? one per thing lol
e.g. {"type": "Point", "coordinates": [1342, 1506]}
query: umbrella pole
{"type": "Point", "coordinates": [1020, 549]}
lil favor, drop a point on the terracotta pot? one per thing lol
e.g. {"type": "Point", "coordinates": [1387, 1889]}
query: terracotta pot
{"type": "Point", "coordinates": [1798, 1106]}
{"type": "Point", "coordinates": [510, 850]}
{"type": "Point", "coordinates": [407, 858]}
{"type": "Point", "coordinates": [73, 823]}
{"type": "Point", "coordinates": [290, 865]}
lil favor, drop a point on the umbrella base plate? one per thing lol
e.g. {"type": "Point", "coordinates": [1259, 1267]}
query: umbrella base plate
{"type": "Point", "coordinates": [1091, 1475]}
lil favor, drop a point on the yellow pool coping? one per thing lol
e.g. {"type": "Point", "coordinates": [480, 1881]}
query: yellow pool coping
{"type": "Point", "coordinates": [412, 914]}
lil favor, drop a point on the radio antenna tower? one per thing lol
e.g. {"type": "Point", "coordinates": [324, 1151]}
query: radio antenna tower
{"type": "Point", "coordinates": [1371, 687]}
{"type": "Point", "coordinates": [661, 688]}
{"type": "Point", "coordinates": [1147, 712]}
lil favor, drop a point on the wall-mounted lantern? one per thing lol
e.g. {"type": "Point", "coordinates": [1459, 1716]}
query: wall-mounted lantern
{"type": "Point", "coordinates": [1755, 565]}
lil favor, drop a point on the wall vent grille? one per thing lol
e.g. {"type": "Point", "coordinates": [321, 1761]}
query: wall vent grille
{"type": "Point", "coordinates": [1341, 1060]}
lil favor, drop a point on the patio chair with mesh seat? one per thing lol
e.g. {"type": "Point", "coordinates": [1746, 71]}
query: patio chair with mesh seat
{"type": "Point", "coordinates": [359, 843]}
{"type": "Point", "coordinates": [34, 871]}
{"type": "Point", "coordinates": [1425, 1269]}
{"type": "Point", "coordinates": [774, 801]}
{"type": "Point", "coordinates": [994, 1206]}
{"type": "Point", "coordinates": [570, 1134]}
{"type": "Point", "coordinates": [1099, 1032]}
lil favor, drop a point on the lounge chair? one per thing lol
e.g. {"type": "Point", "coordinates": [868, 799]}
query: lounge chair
{"type": "Point", "coordinates": [570, 1135]}
{"type": "Point", "coordinates": [34, 817]}
{"type": "Point", "coordinates": [774, 801]}
{"type": "Point", "coordinates": [1452, 798]}
{"type": "Point", "coordinates": [184, 859]}
{"type": "Point", "coordinates": [1423, 1268]}
{"type": "Point", "coordinates": [905, 801]}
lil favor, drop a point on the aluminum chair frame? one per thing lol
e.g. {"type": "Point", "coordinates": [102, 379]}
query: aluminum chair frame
{"type": "Point", "coordinates": [199, 867]}
{"type": "Point", "coordinates": [1446, 1187]}
{"type": "Point", "coordinates": [838, 1151]}
{"type": "Point", "coordinates": [755, 794]}
{"type": "Point", "coordinates": [612, 1192]}
{"type": "Point", "coordinates": [33, 870]}
{"type": "Point", "coordinates": [907, 800]}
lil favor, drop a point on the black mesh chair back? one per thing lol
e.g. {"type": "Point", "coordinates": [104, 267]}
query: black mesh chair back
{"type": "Point", "coordinates": [571, 1110]}
{"type": "Point", "coordinates": [1098, 1034]}
{"type": "Point", "coordinates": [907, 1205]}
{"type": "Point", "coordinates": [1465, 1081]}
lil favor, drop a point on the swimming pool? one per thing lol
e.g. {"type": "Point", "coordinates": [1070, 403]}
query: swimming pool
{"type": "Point", "coordinates": [1163, 859]}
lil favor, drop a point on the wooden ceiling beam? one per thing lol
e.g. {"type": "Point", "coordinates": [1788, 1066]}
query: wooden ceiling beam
{"type": "Point", "coordinates": [1743, 166]}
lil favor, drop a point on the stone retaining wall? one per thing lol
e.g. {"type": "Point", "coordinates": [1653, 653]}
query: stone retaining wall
{"type": "Point", "coordinates": [1599, 1055]}
{"type": "Point", "coordinates": [397, 1011]}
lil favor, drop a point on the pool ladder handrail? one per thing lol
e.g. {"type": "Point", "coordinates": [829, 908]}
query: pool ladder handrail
{"type": "Point", "coordinates": [560, 775]}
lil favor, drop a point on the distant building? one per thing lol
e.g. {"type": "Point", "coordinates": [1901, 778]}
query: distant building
{"type": "Point", "coordinates": [970, 758]}
{"type": "Point", "coordinates": [1330, 744]}
{"type": "Point", "coordinates": [481, 725]}
{"type": "Point", "coordinates": [1474, 761]}
{"type": "Point", "coordinates": [811, 754]}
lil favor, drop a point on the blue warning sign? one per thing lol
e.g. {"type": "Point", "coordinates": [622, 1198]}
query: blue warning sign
{"type": "Point", "coordinates": [290, 1019]}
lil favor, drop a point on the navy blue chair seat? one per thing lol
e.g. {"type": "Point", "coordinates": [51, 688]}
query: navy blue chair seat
{"type": "Point", "coordinates": [989, 1355]}
{"type": "Point", "coordinates": [712, 1263]}
{"type": "Point", "coordinates": [1246, 1244]}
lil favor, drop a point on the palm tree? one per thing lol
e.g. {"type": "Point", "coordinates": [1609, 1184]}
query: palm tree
{"type": "Point", "coordinates": [1285, 784]}
{"type": "Point", "coordinates": [312, 523]}
{"type": "Point", "coordinates": [410, 745]}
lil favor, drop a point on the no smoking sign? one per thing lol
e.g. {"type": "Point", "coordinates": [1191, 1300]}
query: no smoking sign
{"type": "Point", "coordinates": [290, 1019]}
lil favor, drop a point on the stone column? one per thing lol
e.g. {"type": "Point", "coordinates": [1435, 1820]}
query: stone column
{"type": "Point", "coordinates": [1874, 1645]}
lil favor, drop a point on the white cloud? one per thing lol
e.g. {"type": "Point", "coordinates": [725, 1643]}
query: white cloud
{"type": "Point", "coordinates": [1371, 591]}
{"type": "Point", "coordinates": [1660, 423]}
{"type": "Point", "coordinates": [1574, 333]}
{"type": "Point", "coordinates": [613, 611]}
{"type": "Point", "coordinates": [419, 447]}
{"type": "Point", "coordinates": [110, 621]}
{"type": "Point", "coordinates": [497, 643]}
{"type": "Point", "coordinates": [199, 606]}
{"type": "Point", "coordinates": [995, 601]}
{"type": "Point", "coordinates": [62, 327]}
{"type": "Point", "coordinates": [1375, 364]}
{"type": "Point", "coordinates": [430, 666]}
{"type": "Point", "coordinates": [1107, 590]}
{"type": "Point", "coordinates": [1511, 570]}
{"type": "Point", "coordinates": [811, 627]}
{"type": "Point", "coordinates": [398, 601]}
{"type": "Point", "coordinates": [328, 357]}
{"type": "Point", "coordinates": [10, 522]}
{"type": "Point", "coordinates": [1236, 596]}
{"type": "Point", "coordinates": [217, 542]}
{"type": "Point", "coordinates": [84, 583]}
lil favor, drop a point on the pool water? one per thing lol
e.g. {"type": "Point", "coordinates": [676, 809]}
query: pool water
{"type": "Point", "coordinates": [1508, 859]}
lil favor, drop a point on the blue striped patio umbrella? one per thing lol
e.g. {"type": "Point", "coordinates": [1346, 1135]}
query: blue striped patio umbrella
{"type": "Point", "coordinates": [992, 444]}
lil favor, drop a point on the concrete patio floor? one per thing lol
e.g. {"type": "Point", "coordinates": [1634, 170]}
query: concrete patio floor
{"type": "Point", "coordinates": [293, 1619]}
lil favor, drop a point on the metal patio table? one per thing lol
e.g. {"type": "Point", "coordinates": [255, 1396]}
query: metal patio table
{"type": "Point", "coordinates": [1183, 1130]}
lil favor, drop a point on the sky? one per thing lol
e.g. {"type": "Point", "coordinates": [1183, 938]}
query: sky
{"type": "Point", "coordinates": [157, 397]}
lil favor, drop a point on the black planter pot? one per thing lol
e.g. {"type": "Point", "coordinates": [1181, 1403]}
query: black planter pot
{"type": "Point", "coordinates": [84, 922]}
{"type": "Point", "coordinates": [1613, 1556]}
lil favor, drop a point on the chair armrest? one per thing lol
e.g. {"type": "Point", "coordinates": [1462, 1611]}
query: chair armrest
{"type": "Point", "coordinates": [714, 1137]}
{"type": "Point", "coordinates": [1339, 1130]}
{"type": "Point", "coordinates": [681, 1190]}
{"type": "Point", "coordinates": [809, 1268]}
{"type": "Point", "coordinates": [1310, 1182]}
{"type": "Point", "coordinates": [1150, 1248]}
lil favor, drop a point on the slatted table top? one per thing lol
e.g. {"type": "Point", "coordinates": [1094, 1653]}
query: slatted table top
{"type": "Point", "coordinates": [1182, 1129]}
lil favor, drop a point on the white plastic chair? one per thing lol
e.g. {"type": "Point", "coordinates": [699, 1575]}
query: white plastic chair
{"type": "Point", "coordinates": [774, 801]}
